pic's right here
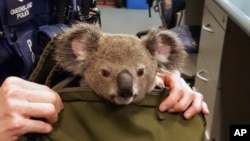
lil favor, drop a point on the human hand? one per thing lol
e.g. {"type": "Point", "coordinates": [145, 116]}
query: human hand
{"type": "Point", "coordinates": [22, 103]}
{"type": "Point", "coordinates": [181, 96]}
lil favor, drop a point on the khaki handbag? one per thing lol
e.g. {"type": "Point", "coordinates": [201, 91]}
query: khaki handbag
{"type": "Point", "coordinates": [87, 117]}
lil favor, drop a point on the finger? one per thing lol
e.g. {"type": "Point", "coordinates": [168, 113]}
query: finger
{"type": "Point", "coordinates": [36, 126]}
{"type": "Point", "coordinates": [28, 110]}
{"type": "Point", "coordinates": [165, 78]}
{"type": "Point", "coordinates": [34, 95]}
{"type": "Point", "coordinates": [45, 97]}
{"type": "Point", "coordinates": [45, 111]}
{"type": "Point", "coordinates": [173, 98]}
{"type": "Point", "coordinates": [159, 82]}
{"type": "Point", "coordinates": [195, 106]}
{"type": "Point", "coordinates": [174, 95]}
{"type": "Point", "coordinates": [27, 85]}
{"type": "Point", "coordinates": [204, 108]}
{"type": "Point", "coordinates": [24, 83]}
{"type": "Point", "coordinates": [182, 104]}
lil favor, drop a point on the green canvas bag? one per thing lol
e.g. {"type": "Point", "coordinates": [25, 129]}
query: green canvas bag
{"type": "Point", "coordinates": [87, 117]}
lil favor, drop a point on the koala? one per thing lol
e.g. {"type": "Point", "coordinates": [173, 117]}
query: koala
{"type": "Point", "coordinates": [120, 68]}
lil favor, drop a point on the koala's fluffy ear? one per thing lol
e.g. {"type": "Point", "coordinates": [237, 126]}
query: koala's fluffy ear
{"type": "Point", "coordinates": [167, 49]}
{"type": "Point", "coordinates": [75, 45]}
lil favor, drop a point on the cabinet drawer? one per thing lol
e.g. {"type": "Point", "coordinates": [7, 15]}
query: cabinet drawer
{"type": "Point", "coordinates": [204, 85]}
{"type": "Point", "coordinates": [217, 12]}
{"type": "Point", "coordinates": [211, 44]}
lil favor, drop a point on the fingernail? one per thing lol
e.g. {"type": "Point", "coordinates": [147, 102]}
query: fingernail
{"type": "Point", "coordinates": [163, 108]}
{"type": "Point", "coordinates": [187, 115]}
{"type": "Point", "coordinates": [170, 110]}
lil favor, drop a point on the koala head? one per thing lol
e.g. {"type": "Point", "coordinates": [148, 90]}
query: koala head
{"type": "Point", "coordinates": [121, 68]}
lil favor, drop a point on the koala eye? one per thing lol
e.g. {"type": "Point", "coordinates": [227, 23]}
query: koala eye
{"type": "Point", "coordinates": [140, 72]}
{"type": "Point", "coordinates": [105, 73]}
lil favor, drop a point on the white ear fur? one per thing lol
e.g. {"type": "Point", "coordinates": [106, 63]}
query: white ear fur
{"type": "Point", "coordinates": [74, 46]}
{"type": "Point", "coordinates": [163, 52]}
{"type": "Point", "coordinates": [79, 50]}
{"type": "Point", "coordinates": [167, 49]}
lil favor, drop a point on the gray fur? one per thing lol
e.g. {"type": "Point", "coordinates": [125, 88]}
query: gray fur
{"type": "Point", "coordinates": [101, 57]}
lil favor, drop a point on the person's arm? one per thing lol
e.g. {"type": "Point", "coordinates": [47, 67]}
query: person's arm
{"type": "Point", "coordinates": [21, 103]}
{"type": "Point", "coordinates": [181, 96]}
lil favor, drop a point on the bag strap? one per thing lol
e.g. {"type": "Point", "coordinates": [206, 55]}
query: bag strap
{"type": "Point", "coordinates": [45, 64]}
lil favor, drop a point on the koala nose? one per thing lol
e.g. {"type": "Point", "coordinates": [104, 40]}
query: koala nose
{"type": "Point", "coordinates": [125, 84]}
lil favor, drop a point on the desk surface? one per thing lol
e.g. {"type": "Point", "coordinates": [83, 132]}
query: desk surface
{"type": "Point", "coordinates": [238, 11]}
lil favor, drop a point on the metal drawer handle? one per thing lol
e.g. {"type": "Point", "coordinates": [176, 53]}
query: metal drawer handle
{"type": "Point", "coordinates": [198, 74]}
{"type": "Point", "coordinates": [207, 28]}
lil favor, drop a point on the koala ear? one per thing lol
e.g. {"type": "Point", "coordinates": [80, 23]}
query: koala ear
{"type": "Point", "coordinates": [75, 46]}
{"type": "Point", "coordinates": [167, 49]}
